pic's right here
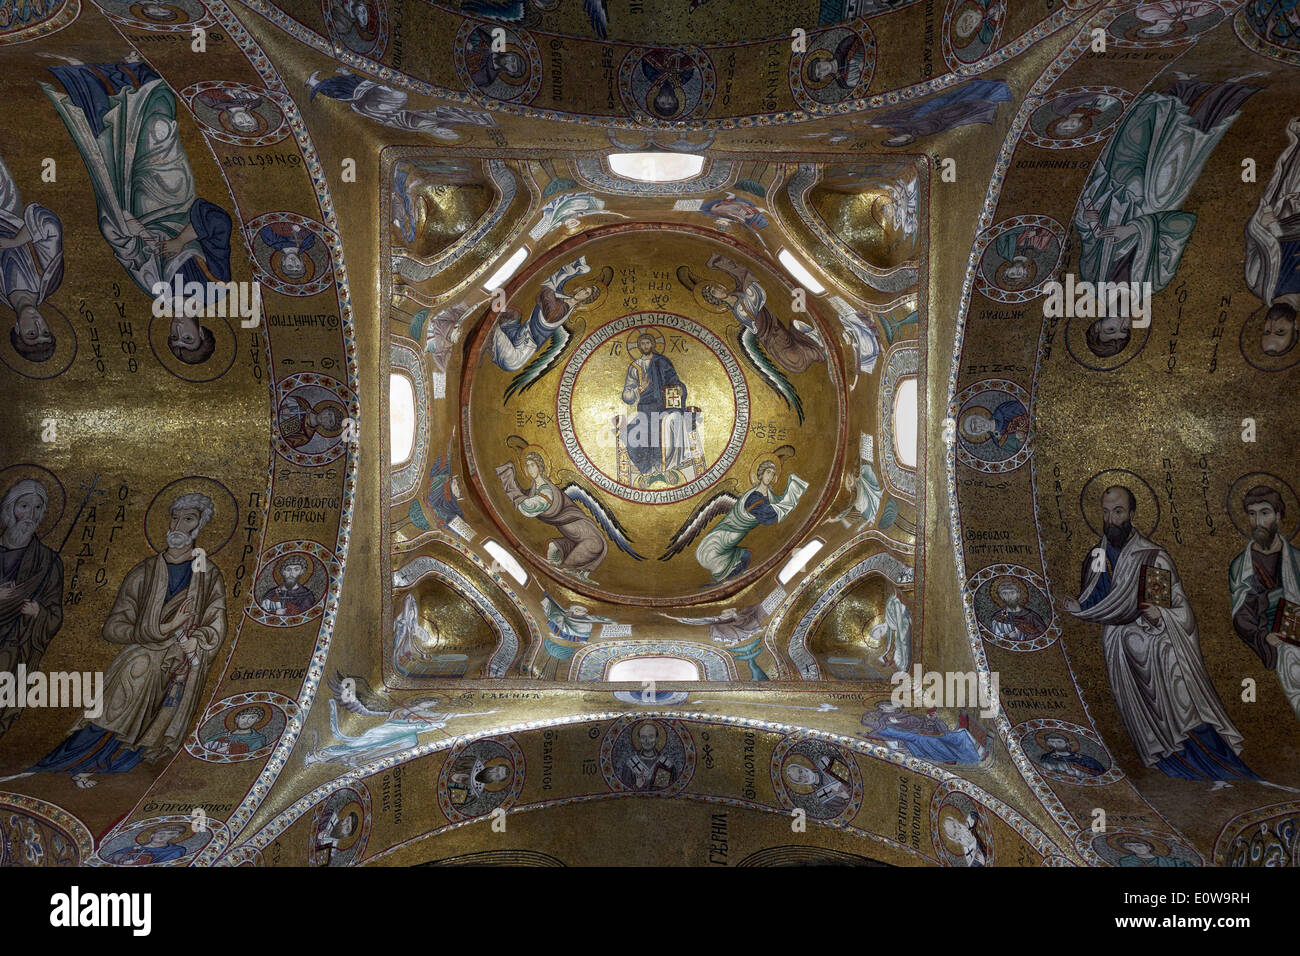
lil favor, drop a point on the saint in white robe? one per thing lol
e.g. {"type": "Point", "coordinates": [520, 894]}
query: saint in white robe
{"type": "Point", "coordinates": [1157, 675]}
{"type": "Point", "coordinates": [35, 267]}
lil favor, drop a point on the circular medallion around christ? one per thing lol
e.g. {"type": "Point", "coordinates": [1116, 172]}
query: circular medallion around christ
{"type": "Point", "coordinates": [609, 415]}
{"type": "Point", "coordinates": [648, 420]}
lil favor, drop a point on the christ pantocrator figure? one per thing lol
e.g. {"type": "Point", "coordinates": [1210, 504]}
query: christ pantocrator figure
{"type": "Point", "coordinates": [659, 437]}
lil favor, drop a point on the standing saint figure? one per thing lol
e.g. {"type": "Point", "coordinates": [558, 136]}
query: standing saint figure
{"type": "Point", "coordinates": [1262, 578]}
{"type": "Point", "coordinates": [1131, 223]}
{"type": "Point", "coordinates": [31, 268]}
{"type": "Point", "coordinates": [122, 117]}
{"type": "Point", "coordinates": [1273, 248]}
{"type": "Point", "coordinates": [171, 619]}
{"type": "Point", "coordinates": [1152, 649]}
{"type": "Point", "coordinates": [31, 584]}
{"type": "Point", "coordinates": [660, 438]}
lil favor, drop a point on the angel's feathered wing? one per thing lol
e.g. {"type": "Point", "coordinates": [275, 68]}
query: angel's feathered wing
{"type": "Point", "coordinates": [545, 360]}
{"type": "Point", "coordinates": [364, 701]}
{"type": "Point", "coordinates": [716, 506]}
{"type": "Point", "coordinates": [610, 524]}
{"type": "Point", "coordinates": [598, 16]}
{"type": "Point", "coordinates": [752, 349]}
{"type": "Point", "coordinates": [508, 10]}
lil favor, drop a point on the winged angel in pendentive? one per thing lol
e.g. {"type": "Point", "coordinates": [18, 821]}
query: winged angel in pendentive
{"type": "Point", "coordinates": [400, 731]}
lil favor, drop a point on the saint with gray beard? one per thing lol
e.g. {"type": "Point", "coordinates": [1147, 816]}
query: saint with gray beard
{"type": "Point", "coordinates": [31, 584]}
{"type": "Point", "coordinates": [170, 614]}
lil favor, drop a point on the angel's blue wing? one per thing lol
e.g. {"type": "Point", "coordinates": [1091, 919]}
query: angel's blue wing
{"type": "Point", "coordinates": [607, 521]}
{"type": "Point", "coordinates": [508, 10]}
{"type": "Point", "coordinates": [773, 376]}
{"type": "Point", "coordinates": [715, 507]}
{"type": "Point", "coordinates": [545, 360]}
{"type": "Point", "coordinates": [598, 16]}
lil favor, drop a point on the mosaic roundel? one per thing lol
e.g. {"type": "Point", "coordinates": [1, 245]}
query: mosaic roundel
{"type": "Point", "coordinates": [294, 576]}
{"type": "Point", "coordinates": [1264, 837]}
{"type": "Point", "coordinates": [156, 15]}
{"type": "Point", "coordinates": [836, 67]}
{"type": "Point", "coordinates": [479, 776]}
{"type": "Point", "coordinates": [1162, 23]}
{"type": "Point", "coordinates": [817, 777]}
{"type": "Point", "coordinates": [630, 479]}
{"type": "Point", "coordinates": [170, 840]}
{"type": "Point", "coordinates": [960, 829]}
{"type": "Point", "coordinates": [360, 26]}
{"type": "Point", "coordinates": [35, 833]}
{"type": "Point", "coordinates": [661, 85]}
{"type": "Point", "coordinates": [1136, 847]}
{"type": "Point", "coordinates": [1012, 608]}
{"type": "Point", "coordinates": [290, 253]}
{"type": "Point", "coordinates": [242, 727]}
{"type": "Point", "coordinates": [647, 755]}
{"type": "Point", "coordinates": [340, 827]}
{"type": "Point", "coordinates": [653, 432]}
{"type": "Point", "coordinates": [1018, 257]}
{"type": "Point", "coordinates": [1270, 28]}
{"type": "Point", "coordinates": [21, 21]}
{"type": "Point", "coordinates": [971, 29]}
{"type": "Point", "coordinates": [1078, 116]}
{"type": "Point", "coordinates": [993, 429]}
{"type": "Point", "coordinates": [316, 417]}
{"type": "Point", "coordinates": [237, 113]}
{"type": "Point", "coordinates": [1067, 753]}
{"type": "Point", "coordinates": [498, 62]}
